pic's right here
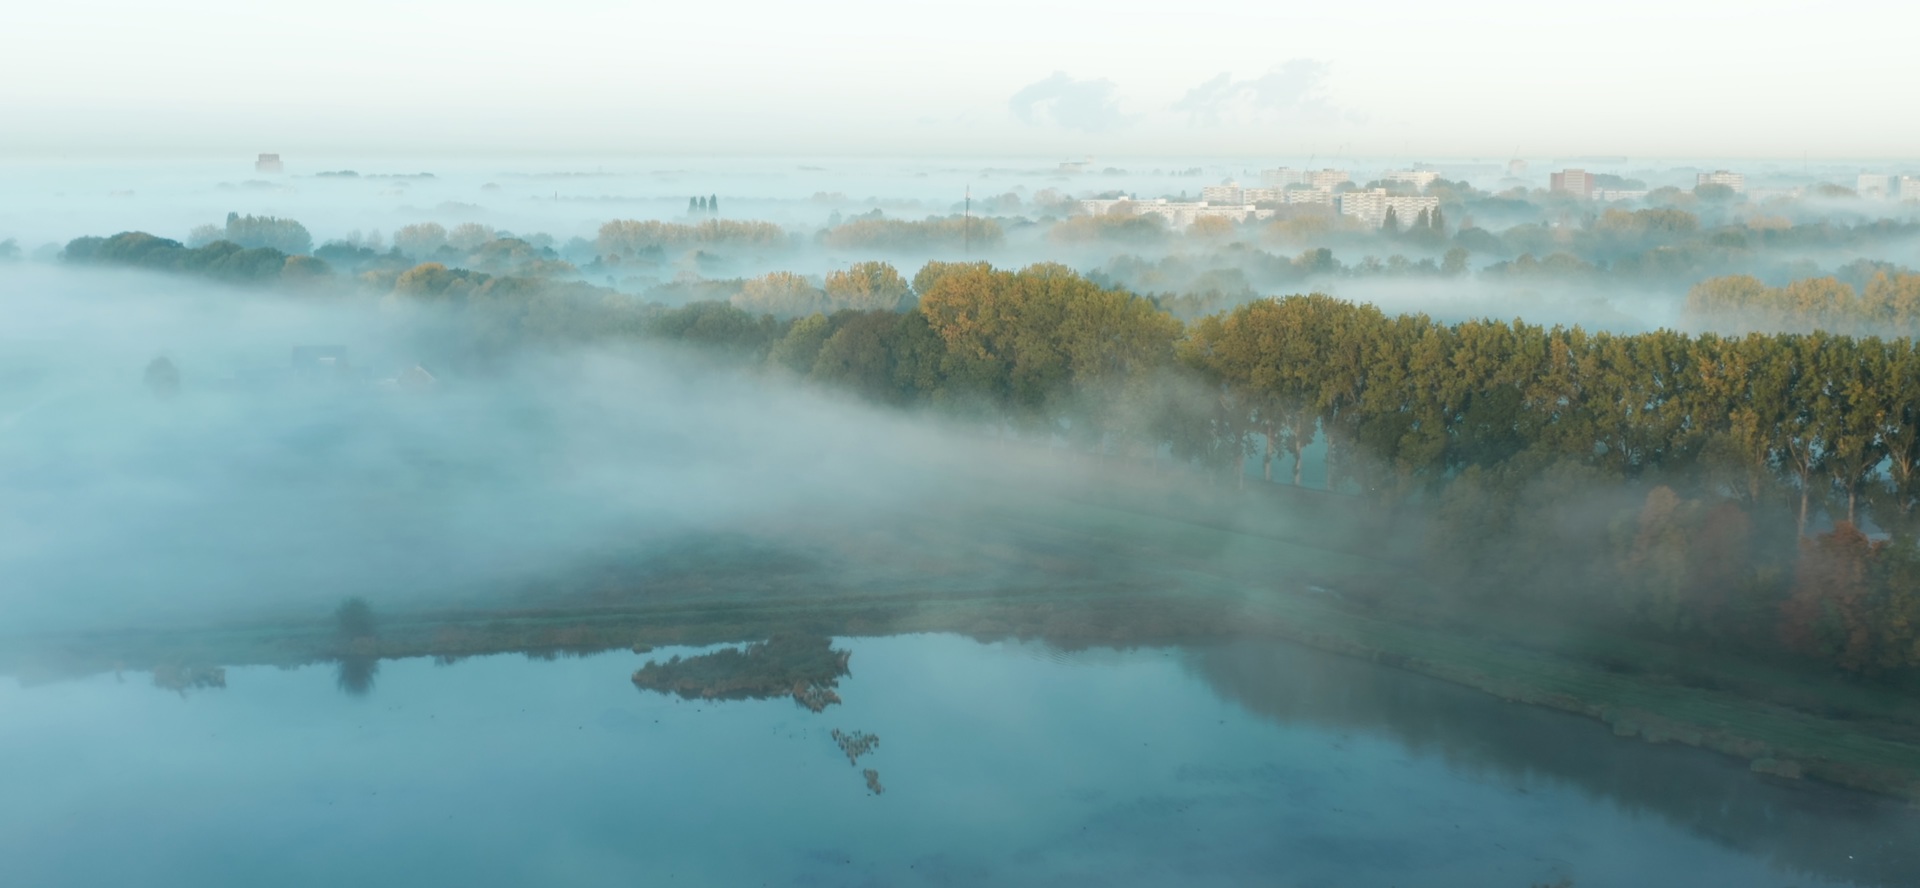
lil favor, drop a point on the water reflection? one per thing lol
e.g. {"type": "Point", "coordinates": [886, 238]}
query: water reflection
{"type": "Point", "coordinates": [804, 667]}
{"type": "Point", "coordinates": [359, 660]}
{"type": "Point", "coordinates": [1235, 764]}
{"type": "Point", "coordinates": [354, 674]}
{"type": "Point", "coordinates": [1802, 827]}
{"type": "Point", "coordinates": [181, 678]}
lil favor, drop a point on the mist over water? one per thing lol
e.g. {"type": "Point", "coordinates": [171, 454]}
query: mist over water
{"type": "Point", "coordinates": [269, 543]}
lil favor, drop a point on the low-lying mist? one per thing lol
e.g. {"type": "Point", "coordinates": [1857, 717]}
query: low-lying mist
{"type": "Point", "coordinates": [266, 482]}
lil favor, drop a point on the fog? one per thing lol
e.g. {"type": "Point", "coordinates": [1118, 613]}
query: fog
{"type": "Point", "coordinates": [559, 205]}
{"type": "Point", "coordinates": [366, 409]}
{"type": "Point", "coordinates": [266, 489]}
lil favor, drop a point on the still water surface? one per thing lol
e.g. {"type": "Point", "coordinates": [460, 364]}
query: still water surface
{"type": "Point", "coordinates": [1002, 764]}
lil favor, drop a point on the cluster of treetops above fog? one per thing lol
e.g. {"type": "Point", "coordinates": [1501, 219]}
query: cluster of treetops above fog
{"type": "Point", "coordinates": [1661, 479]}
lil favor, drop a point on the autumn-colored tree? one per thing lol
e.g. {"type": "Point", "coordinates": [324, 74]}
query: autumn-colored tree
{"type": "Point", "coordinates": [782, 294]}
{"type": "Point", "coordinates": [867, 286]}
{"type": "Point", "coordinates": [1828, 613]}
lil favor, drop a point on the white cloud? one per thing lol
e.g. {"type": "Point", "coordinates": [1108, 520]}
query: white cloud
{"type": "Point", "coordinates": [1292, 92]}
{"type": "Point", "coordinates": [1087, 105]}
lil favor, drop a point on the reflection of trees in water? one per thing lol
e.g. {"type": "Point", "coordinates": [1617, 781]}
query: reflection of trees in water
{"type": "Point", "coordinates": [181, 679]}
{"type": "Point", "coordinates": [855, 743]}
{"type": "Point", "coordinates": [359, 659]}
{"type": "Point", "coordinates": [1807, 827]}
{"type": "Point", "coordinates": [804, 667]}
{"type": "Point", "coordinates": [356, 673]}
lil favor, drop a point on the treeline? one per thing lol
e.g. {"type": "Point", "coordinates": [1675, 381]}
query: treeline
{"type": "Point", "coordinates": [285, 235]}
{"type": "Point", "coordinates": [1659, 479]}
{"type": "Point", "coordinates": [221, 260]}
{"type": "Point", "coordinates": [628, 238]}
{"type": "Point", "coordinates": [1888, 304]}
{"type": "Point", "coordinates": [1662, 480]}
{"type": "Point", "coordinates": [882, 235]}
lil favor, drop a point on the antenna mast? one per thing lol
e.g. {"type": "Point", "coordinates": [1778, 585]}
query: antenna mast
{"type": "Point", "coordinates": [966, 226]}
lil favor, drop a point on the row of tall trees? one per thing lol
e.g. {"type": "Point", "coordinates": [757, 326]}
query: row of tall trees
{"type": "Point", "coordinates": [1662, 479]}
{"type": "Point", "coordinates": [1888, 303]}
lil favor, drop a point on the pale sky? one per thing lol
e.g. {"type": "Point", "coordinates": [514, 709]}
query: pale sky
{"type": "Point", "coordinates": [1481, 78]}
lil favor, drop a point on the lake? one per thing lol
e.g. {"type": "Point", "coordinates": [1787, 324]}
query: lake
{"type": "Point", "coordinates": [1003, 763]}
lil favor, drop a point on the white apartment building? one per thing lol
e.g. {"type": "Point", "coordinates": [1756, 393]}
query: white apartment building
{"type": "Point", "coordinates": [1878, 186]}
{"type": "Point", "coordinates": [1371, 207]}
{"type": "Point", "coordinates": [1287, 196]}
{"type": "Point", "coordinates": [1227, 193]}
{"type": "Point", "coordinates": [1735, 181]}
{"type": "Point", "coordinates": [1613, 195]}
{"type": "Point", "coordinates": [1907, 188]}
{"type": "Point", "coordinates": [1417, 178]}
{"type": "Point", "coordinates": [1179, 214]}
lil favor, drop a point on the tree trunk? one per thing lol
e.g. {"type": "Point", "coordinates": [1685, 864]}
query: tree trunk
{"type": "Point", "coordinates": [1329, 463]}
{"type": "Point", "coordinates": [1297, 454]}
{"type": "Point", "coordinates": [1803, 509]}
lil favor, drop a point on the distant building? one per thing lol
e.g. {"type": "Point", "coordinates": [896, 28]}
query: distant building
{"type": "Point", "coordinates": [1877, 186]}
{"type": "Point", "coordinates": [1371, 206]}
{"type": "Point", "coordinates": [268, 163]}
{"type": "Point", "coordinates": [1227, 193]}
{"type": "Point", "coordinates": [1075, 166]}
{"type": "Point", "coordinates": [1417, 178]}
{"type": "Point", "coordinates": [1178, 214]}
{"type": "Point", "coordinates": [1610, 195]}
{"type": "Point", "coordinates": [1517, 168]}
{"type": "Point", "coordinates": [1735, 181]}
{"type": "Point", "coordinates": [1575, 182]}
{"type": "Point", "coordinates": [1282, 177]}
{"type": "Point", "coordinates": [1286, 196]}
{"type": "Point", "coordinates": [1908, 188]}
